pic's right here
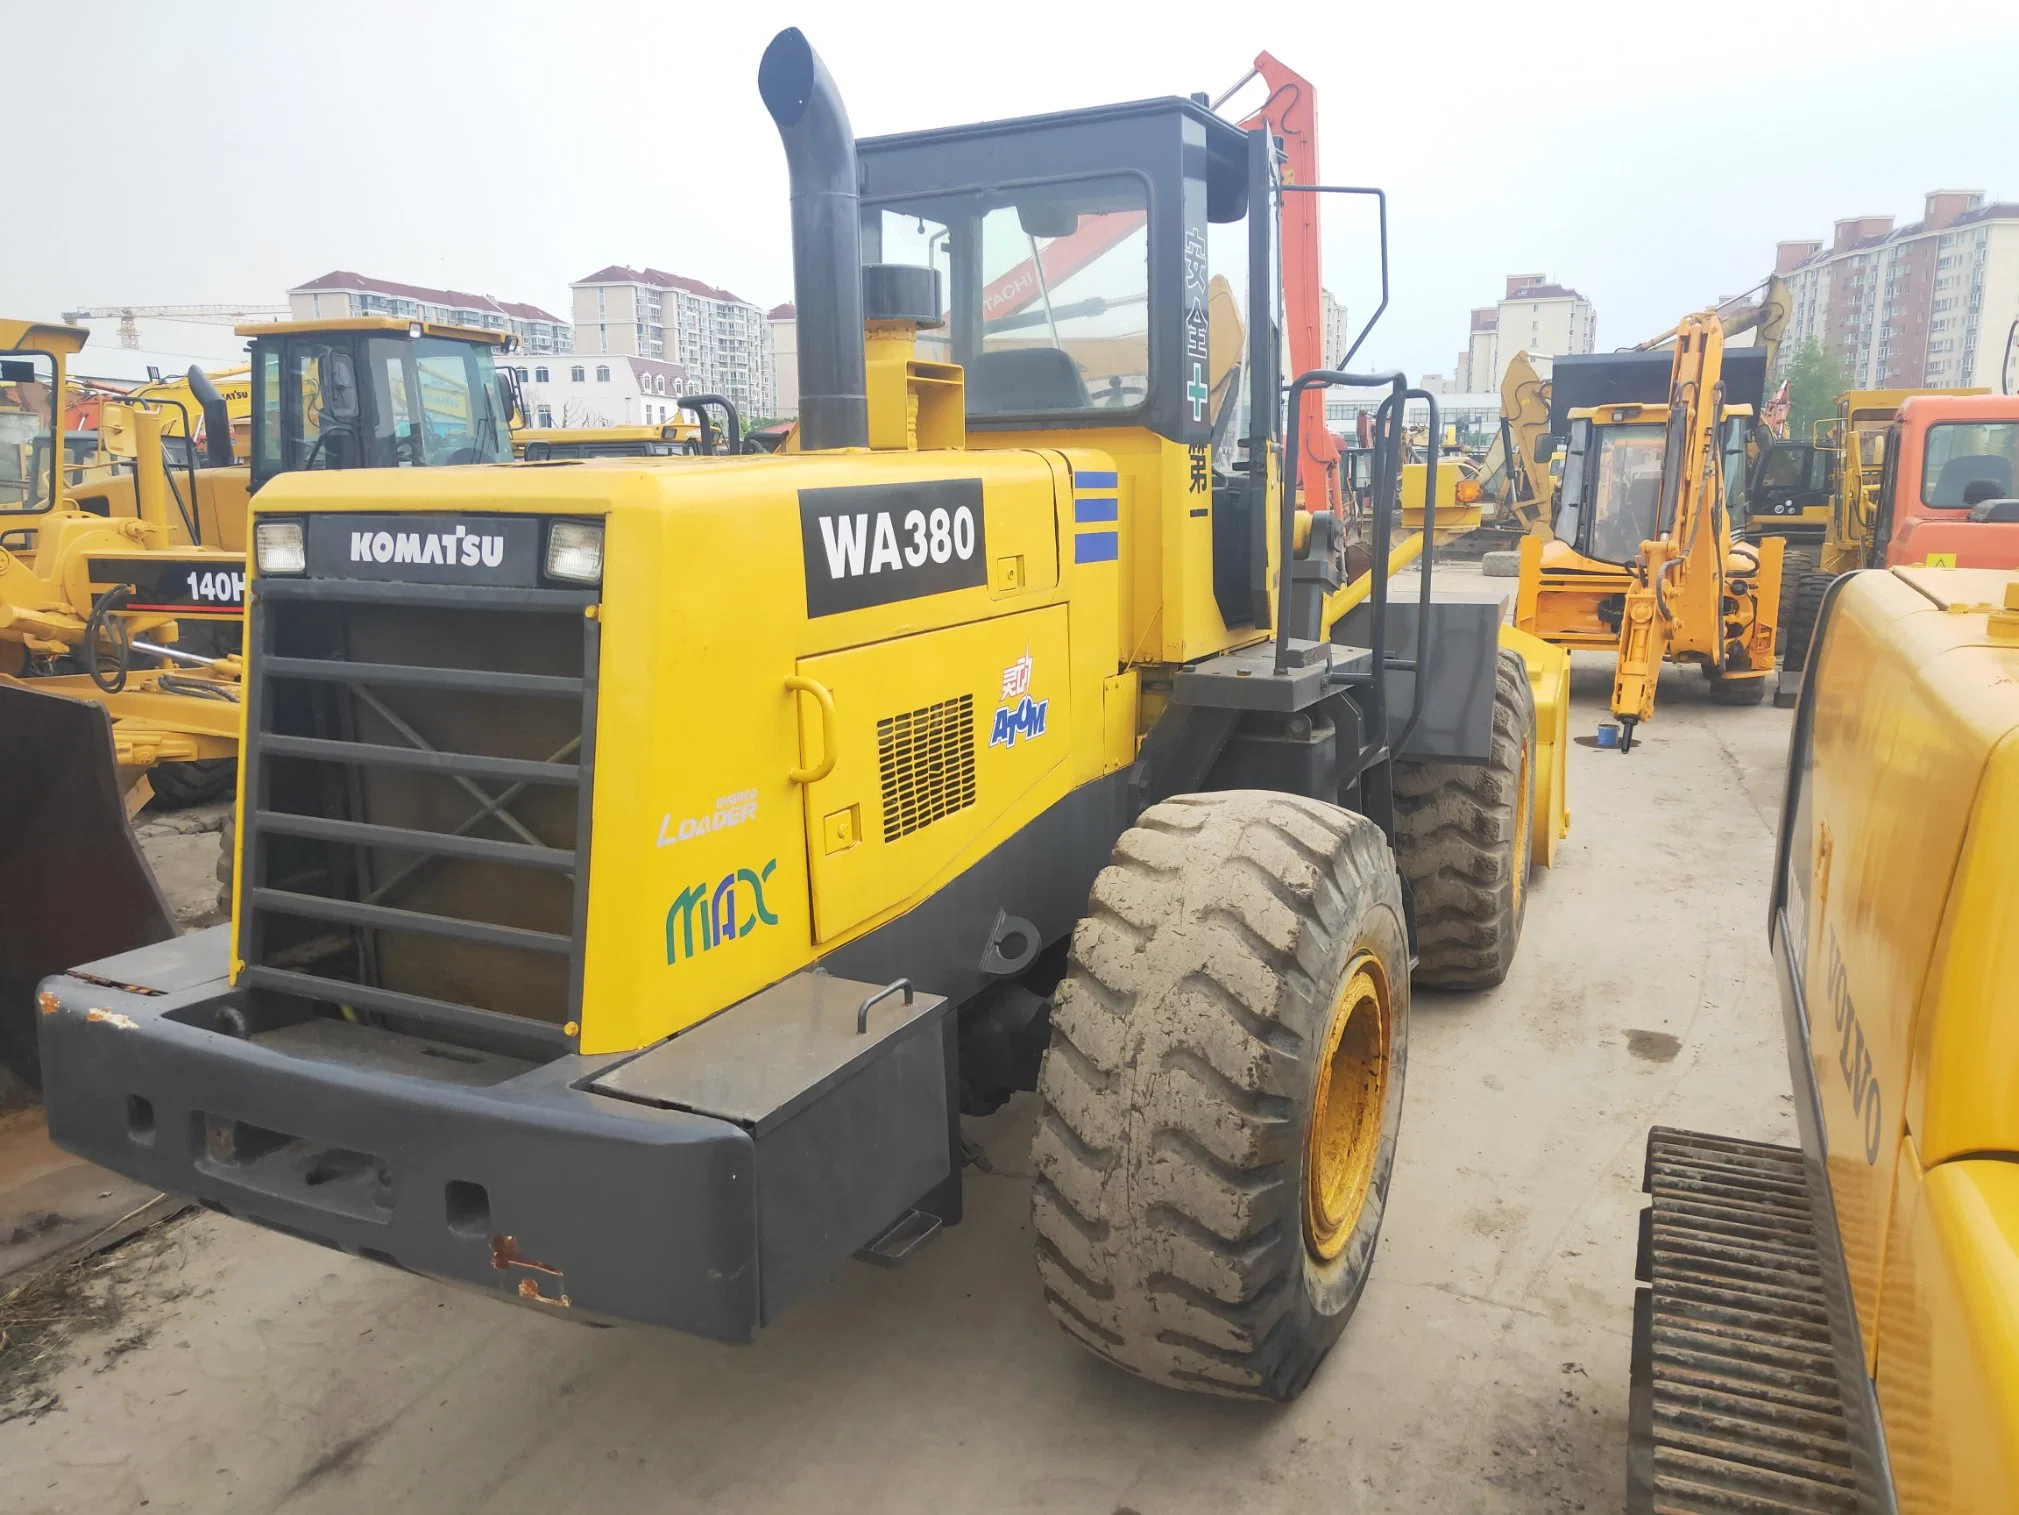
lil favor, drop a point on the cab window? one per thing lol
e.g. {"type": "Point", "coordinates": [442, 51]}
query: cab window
{"type": "Point", "coordinates": [1048, 290]}
{"type": "Point", "coordinates": [28, 454]}
{"type": "Point", "coordinates": [1968, 462]}
{"type": "Point", "coordinates": [1626, 473]}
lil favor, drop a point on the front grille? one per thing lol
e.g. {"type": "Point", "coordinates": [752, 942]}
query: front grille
{"type": "Point", "coordinates": [926, 760]}
{"type": "Point", "coordinates": [417, 783]}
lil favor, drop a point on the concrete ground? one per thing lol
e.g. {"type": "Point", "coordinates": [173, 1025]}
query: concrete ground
{"type": "Point", "coordinates": [212, 1366]}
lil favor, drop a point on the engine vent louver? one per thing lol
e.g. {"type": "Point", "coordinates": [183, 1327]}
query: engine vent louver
{"type": "Point", "coordinates": [925, 758]}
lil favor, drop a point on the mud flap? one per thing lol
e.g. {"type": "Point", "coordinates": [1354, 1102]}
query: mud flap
{"type": "Point", "coordinates": [76, 885]}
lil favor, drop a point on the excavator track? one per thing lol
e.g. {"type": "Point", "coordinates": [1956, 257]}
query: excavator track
{"type": "Point", "coordinates": [1737, 1401]}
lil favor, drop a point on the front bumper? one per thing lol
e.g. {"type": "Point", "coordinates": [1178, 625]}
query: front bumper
{"type": "Point", "coordinates": [469, 1167]}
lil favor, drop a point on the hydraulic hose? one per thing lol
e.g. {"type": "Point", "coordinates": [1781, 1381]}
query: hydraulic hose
{"type": "Point", "coordinates": [104, 621]}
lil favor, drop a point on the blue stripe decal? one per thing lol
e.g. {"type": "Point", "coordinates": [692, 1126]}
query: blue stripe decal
{"type": "Point", "coordinates": [1096, 481]}
{"type": "Point", "coordinates": [1085, 510]}
{"type": "Point", "coordinates": [1097, 547]}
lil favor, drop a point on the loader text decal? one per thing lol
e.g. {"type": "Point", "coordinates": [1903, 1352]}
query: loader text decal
{"type": "Point", "coordinates": [1854, 1057]}
{"type": "Point", "coordinates": [872, 544]}
{"type": "Point", "coordinates": [730, 810]}
{"type": "Point", "coordinates": [702, 917]}
{"type": "Point", "coordinates": [499, 550]}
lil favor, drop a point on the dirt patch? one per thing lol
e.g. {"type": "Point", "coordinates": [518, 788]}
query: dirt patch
{"type": "Point", "coordinates": [1653, 1046]}
{"type": "Point", "coordinates": [44, 1318]}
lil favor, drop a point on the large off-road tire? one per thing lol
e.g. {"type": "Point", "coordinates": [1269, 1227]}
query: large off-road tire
{"type": "Point", "coordinates": [180, 785]}
{"type": "Point", "coordinates": [1798, 621]}
{"type": "Point", "coordinates": [1795, 562]}
{"type": "Point", "coordinates": [1464, 834]}
{"type": "Point", "coordinates": [1222, 1091]}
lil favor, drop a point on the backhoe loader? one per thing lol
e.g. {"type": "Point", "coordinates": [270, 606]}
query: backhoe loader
{"type": "Point", "coordinates": [643, 867]}
{"type": "Point", "coordinates": [1644, 558]}
{"type": "Point", "coordinates": [1832, 1327]}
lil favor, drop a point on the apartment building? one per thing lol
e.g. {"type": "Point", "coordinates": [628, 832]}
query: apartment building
{"type": "Point", "coordinates": [722, 341]}
{"type": "Point", "coordinates": [342, 295]}
{"type": "Point", "coordinates": [1930, 303]}
{"type": "Point", "coordinates": [1533, 316]}
{"type": "Point", "coordinates": [1338, 333]}
{"type": "Point", "coordinates": [784, 322]}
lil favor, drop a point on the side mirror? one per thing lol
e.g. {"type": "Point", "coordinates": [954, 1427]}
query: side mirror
{"type": "Point", "coordinates": [1040, 218]}
{"type": "Point", "coordinates": [1546, 447]}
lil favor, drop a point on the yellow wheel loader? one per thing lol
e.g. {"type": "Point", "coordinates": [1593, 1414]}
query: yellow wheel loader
{"type": "Point", "coordinates": [644, 867]}
{"type": "Point", "coordinates": [1833, 1327]}
{"type": "Point", "coordinates": [1644, 559]}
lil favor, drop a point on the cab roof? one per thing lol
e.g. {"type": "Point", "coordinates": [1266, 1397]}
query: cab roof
{"type": "Point", "coordinates": [375, 323]}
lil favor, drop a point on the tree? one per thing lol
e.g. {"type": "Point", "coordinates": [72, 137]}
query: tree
{"type": "Point", "coordinates": [1816, 376]}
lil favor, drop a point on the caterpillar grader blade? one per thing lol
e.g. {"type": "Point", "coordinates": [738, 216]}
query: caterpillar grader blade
{"type": "Point", "coordinates": [76, 885]}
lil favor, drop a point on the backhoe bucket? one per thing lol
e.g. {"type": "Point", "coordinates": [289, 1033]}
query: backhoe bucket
{"type": "Point", "coordinates": [74, 886]}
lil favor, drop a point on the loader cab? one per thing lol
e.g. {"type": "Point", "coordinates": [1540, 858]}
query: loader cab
{"type": "Point", "coordinates": [1111, 278]}
{"type": "Point", "coordinates": [376, 392]}
{"type": "Point", "coordinates": [1788, 479]}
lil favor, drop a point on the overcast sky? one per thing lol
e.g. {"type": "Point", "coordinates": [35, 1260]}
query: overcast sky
{"type": "Point", "coordinates": [1649, 156]}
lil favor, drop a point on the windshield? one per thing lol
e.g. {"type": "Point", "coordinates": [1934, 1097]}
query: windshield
{"type": "Point", "coordinates": [1625, 473]}
{"type": "Point", "coordinates": [27, 431]}
{"type": "Point", "coordinates": [1735, 461]}
{"type": "Point", "coordinates": [1969, 462]}
{"type": "Point", "coordinates": [1049, 289]}
{"type": "Point", "coordinates": [434, 401]}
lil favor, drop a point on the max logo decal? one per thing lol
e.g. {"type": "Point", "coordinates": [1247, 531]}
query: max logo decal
{"type": "Point", "coordinates": [720, 918]}
{"type": "Point", "coordinates": [1019, 715]}
{"type": "Point", "coordinates": [1854, 1058]}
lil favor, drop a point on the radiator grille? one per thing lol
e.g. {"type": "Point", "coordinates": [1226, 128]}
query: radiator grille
{"type": "Point", "coordinates": [416, 827]}
{"type": "Point", "coordinates": [926, 760]}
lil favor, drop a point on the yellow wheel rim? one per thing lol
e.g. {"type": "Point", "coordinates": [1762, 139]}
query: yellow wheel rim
{"type": "Point", "coordinates": [1524, 826]}
{"type": "Point", "coordinates": [1346, 1117]}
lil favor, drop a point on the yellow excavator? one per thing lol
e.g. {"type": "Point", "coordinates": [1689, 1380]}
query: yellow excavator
{"type": "Point", "coordinates": [1832, 1327]}
{"type": "Point", "coordinates": [1644, 559]}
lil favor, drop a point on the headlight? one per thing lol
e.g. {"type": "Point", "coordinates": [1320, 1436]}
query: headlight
{"type": "Point", "coordinates": [575, 551]}
{"type": "Point", "coordinates": [277, 547]}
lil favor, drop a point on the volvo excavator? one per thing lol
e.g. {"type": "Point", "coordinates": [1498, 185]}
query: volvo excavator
{"type": "Point", "coordinates": [1645, 559]}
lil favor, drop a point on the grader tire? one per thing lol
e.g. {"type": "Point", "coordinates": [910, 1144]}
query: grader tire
{"type": "Point", "coordinates": [1220, 1098]}
{"type": "Point", "coordinates": [1797, 563]}
{"type": "Point", "coordinates": [180, 785]}
{"type": "Point", "coordinates": [1463, 834]}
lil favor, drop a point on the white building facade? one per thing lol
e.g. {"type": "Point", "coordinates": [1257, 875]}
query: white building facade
{"type": "Point", "coordinates": [722, 341]}
{"type": "Point", "coordinates": [342, 295]}
{"type": "Point", "coordinates": [577, 389]}
{"type": "Point", "coordinates": [1533, 316]}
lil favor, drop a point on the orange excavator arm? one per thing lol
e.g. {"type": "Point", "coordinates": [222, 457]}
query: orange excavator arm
{"type": "Point", "coordinates": [1291, 113]}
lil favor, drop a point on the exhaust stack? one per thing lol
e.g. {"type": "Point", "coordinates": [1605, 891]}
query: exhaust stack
{"type": "Point", "coordinates": [826, 241]}
{"type": "Point", "coordinates": [216, 419]}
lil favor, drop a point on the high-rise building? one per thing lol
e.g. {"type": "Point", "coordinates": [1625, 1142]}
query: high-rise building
{"type": "Point", "coordinates": [784, 321]}
{"type": "Point", "coordinates": [1931, 303]}
{"type": "Point", "coordinates": [723, 341]}
{"type": "Point", "coordinates": [1533, 316]}
{"type": "Point", "coordinates": [341, 295]}
{"type": "Point", "coordinates": [1337, 332]}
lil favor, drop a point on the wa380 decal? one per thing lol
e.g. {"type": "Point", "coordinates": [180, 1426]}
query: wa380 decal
{"type": "Point", "coordinates": [873, 544]}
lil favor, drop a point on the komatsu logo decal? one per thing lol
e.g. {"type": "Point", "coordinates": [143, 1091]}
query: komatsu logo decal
{"type": "Point", "coordinates": [462, 546]}
{"type": "Point", "coordinates": [491, 550]}
{"type": "Point", "coordinates": [872, 544]}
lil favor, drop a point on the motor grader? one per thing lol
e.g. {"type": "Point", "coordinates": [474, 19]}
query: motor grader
{"type": "Point", "coordinates": [1644, 559]}
{"type": "Point", "coordinates": [122, 594]}
{"type": "Point", "coordinates": [1832, 1327]}
{"type": "Point", "coordinates": [644, 867]}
